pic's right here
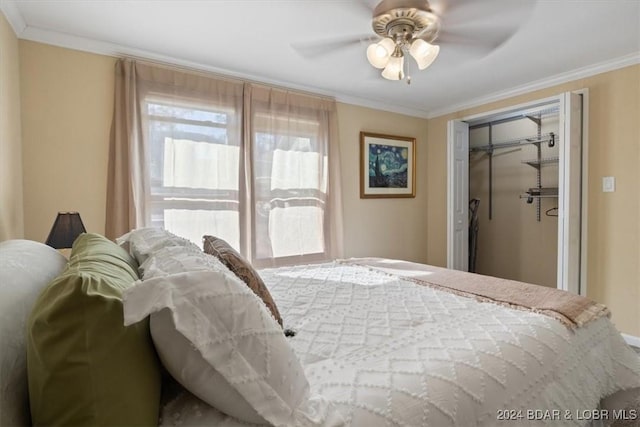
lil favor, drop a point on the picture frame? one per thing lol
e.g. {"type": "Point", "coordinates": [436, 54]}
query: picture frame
{"type": "Point", "coordinates": [387, 166]}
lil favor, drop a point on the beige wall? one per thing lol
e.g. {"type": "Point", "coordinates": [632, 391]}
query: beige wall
{"type": "Point", "coordinates": [67, 105]}
{"type": "Point", "coordinates": [613, 218]}
{"type": "Point", "coordinates": [11, 207]}
{"type": "Point", "coordinates": [392, 228]}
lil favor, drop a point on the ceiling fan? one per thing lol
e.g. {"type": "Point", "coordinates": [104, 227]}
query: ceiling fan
{"type": "Point", "coordinates": [418, 29]}
{"type": "Point", "coordinates": [404, 25]}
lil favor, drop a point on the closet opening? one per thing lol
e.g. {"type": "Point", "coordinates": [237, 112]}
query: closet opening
{"type": "Point", "coordinates": [515, 193]}
{"type": "Point", "coordinates": [513, 179]}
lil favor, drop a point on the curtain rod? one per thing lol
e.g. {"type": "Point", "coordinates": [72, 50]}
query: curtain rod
{"type": "Point", "coordinates": [209, 73]}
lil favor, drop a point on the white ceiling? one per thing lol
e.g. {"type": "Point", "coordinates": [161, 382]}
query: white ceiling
{"type": "Point", "coordinates": [273, 41]}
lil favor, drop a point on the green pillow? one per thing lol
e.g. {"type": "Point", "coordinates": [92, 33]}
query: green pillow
{"type": "Point", "coordinates": [84, 367]}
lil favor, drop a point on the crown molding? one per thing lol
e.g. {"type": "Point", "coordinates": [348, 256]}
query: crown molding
{"type": "Point", "coordinates": [13, 15]}
{"type": "Point", "coordinates": [382, 106]}
{"type": "Point", "coordinates": [70, 41]}
{"type": "Point", "coordinates": [111, 49]}
{"type": "Point", "coordinates": [578, 73]}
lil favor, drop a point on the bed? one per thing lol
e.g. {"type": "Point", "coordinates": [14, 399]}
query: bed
{"type": "Point", "coordinates": [389, 343]}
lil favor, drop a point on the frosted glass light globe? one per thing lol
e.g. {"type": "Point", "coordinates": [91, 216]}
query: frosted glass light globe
{"type": "Point", "coordinates": [378, 53]}
{"type": "Point", "coordinates": [424, 53]}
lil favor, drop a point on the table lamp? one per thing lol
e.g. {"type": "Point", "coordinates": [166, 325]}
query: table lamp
{"type": "Point", "coordinates": [66, 228]}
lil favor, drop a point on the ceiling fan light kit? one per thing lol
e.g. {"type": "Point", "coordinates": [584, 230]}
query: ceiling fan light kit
{"type": "Point", "coordinates": [405, 26]}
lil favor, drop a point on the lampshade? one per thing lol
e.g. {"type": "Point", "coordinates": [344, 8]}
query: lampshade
{"type": "Point", "coordinates": [394, 69]}
{"type": "Point", "coordinates": [424, 53]}
{"type": "Point", "coordinates": [66, 228]}
{"type": "Point", "coordinates": [378, 53]}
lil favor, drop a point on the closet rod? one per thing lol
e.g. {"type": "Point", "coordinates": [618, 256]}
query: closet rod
{"type": "Point", "coordinates": [549, 138]}
{"type": "Point", "coordinates": [530, 199]}
{"type": "Point", "coordinates": [536, 114]}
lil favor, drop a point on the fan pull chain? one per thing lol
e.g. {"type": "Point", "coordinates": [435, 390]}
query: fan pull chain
{"type": "Point", "coordinates": [406, 72]}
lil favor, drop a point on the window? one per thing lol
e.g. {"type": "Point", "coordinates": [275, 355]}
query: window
{"type": "Point", "coordinates": [195, 179]}
{"type": "Point", "coordinates": [194, 167]}
{"type": "Point", "coordinates": [200, 154]}
{"type": "Point", "coordinates": [290, 177]}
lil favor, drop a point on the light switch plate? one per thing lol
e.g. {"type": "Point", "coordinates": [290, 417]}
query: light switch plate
{"type": "Point", "coordinates": [608, 184]}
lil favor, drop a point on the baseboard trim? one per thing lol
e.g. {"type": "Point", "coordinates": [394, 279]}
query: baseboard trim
{"type": "Point", "coordinates": [632, 340]}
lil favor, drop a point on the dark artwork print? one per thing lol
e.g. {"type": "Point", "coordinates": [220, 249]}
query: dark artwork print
{"type": "Point", "coordinates": [388, 166]}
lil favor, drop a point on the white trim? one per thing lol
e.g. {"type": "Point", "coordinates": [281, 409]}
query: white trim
{"type": "Point", "coordinates": [564, 150]}
{"type": "Point", "coordinates": [14, 17]}
{"type": "Point", "coordinates": [530, 105]}
{"type": "Point", "coordinates": [83, 44]}
{"type": "Point", "coordinates": [585, 191]}
{"type": "Point", "coordinates": [523, 107]}
{"type": "Point", "coordinates": [570, 191]}
{"type": "Point", "coordinates": [631, 340]}
{"type": "Point", "coordinates": [585, 165]}
{"type": "Point", "coordinates": [70, 41]}
{"type": "Point", "coordinates": [579, 73]}
{"type": "Point", "coordinates": [383, 106]}
{"type": "Point", "coordinates": [450, 180]}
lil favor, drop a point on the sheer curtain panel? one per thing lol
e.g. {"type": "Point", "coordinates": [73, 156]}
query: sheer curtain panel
{"type": "Point", "coordinates": [198, 154]}
{"type": "Point", "coordinates": [125, 140]}
{"type": "Point", "coordinates": [175, 148]}
{"type": "Point", "coordinates": [295, 202]}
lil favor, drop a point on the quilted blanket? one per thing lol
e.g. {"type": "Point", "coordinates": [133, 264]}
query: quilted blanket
{"type": "Point", "coordinates": [572, 310]}
{"type": "Point", "coordinates": [387, 352]}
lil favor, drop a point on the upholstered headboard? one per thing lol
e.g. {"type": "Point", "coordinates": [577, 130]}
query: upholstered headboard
{"type": "Point", "coordinates": [25, 268]}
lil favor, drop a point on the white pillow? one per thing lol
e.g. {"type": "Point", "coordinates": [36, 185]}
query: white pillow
{"type": "Point", "coordinates": [142, 242]}
{"type": "Point", "coordinates": [26, 267]}
{"type": "Point", "coordinates": [177, 354]}
{"type": "Point", "coordinates": [189, 368]}
{"type": "Point", "coordinates": [175, 259]}
{"type": "Point", "coordinates": [231, 347]}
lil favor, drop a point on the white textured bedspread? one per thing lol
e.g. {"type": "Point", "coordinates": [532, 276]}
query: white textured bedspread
{"type": "Point", "coordinates": [388, 352]}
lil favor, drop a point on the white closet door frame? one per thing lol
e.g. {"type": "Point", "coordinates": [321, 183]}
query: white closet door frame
{"type": "Point", "coordinates": [569, 194]}
{"type": "Point", "coordinates": [572, 219]}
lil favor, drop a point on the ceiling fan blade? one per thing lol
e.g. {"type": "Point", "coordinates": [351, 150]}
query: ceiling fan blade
{"type": "Point", "coordinates": [483, 39]}
{"type": "Point", "coordinates": [465, 12]}
{"type": "Point", "coordinates": [312, 49]}
{"type": "Point", "coordinates": [367, 6]}
{"type": "Point", "coordinates": [482, 28]}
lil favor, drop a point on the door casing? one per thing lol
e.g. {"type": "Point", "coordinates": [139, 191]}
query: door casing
{"type": "Point", "coordinates": [572, 236]}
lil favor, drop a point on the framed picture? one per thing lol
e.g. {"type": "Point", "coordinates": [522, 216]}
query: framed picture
{"type": "Point", "coordinates": [387, 166]}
